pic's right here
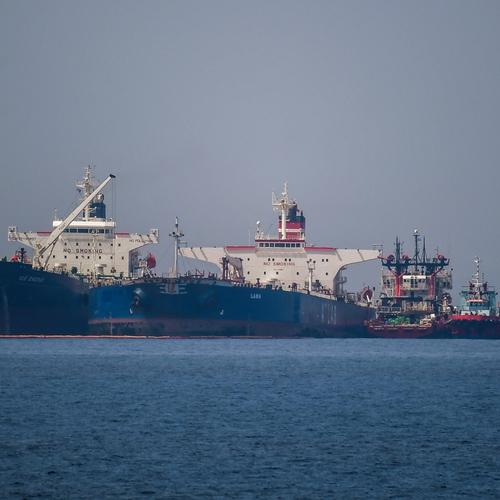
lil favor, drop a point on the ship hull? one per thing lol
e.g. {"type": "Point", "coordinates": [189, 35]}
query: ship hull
{"type": "Point", "coordinates": [214, 308]}
{"type": "Point", "coordinates": [36, 302]}
{"type": "Point", "coordinates": [475, 327]}
{"type": "Point", "coordinates": [436, 330]}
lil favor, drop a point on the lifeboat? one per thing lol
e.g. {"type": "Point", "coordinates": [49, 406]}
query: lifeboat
{"type": "Point", "coordinates": [151, 261]}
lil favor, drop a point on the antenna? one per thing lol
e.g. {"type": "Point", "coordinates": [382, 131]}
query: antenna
{"type": "Point", "coordinates": [477, 260]}
{"type": "Point", "coordinates": [416, 235]}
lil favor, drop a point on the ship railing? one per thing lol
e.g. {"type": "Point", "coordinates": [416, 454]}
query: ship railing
{"type": "Point", "coordinates": [407, 307]}
{"type": "Point", "coordinates": [391, 310]}
{"type": "Point", "coordinates": [418, 306]}
{"type": "Point", "coordinates": [276, 238]}
{"type": "Point", "coordinates": [270, 237]}
{"type": "Point", "coordinates": [317, 293]}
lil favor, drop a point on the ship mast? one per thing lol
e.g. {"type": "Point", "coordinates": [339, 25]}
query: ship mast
{"type": "Point", "coordinates": [177, 234]}
{"type": "Point", "coordinates": [416, 235]}
{"type": "Point", "coordinates": [87, 186]}
{"type": "Point", "coordinates": [477, 260]}
{"type": "Point", "coordinates": [283, 205]}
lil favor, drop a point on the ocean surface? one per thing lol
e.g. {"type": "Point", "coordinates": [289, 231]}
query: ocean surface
{"type": "Point", "coordinates": [245, 419]}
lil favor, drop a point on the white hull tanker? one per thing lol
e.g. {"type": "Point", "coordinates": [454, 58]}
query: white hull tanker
{"type": "Point", "coordinates": [278, 287]}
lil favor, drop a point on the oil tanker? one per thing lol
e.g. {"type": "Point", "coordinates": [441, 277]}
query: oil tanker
{"type": "Point", "coordinates": [48, 294]}
{"type": "Point", "coordinates": [278, 287]}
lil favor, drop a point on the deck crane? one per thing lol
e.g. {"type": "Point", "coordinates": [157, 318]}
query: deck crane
{"type": "Point", "coordinates": [41, 248]}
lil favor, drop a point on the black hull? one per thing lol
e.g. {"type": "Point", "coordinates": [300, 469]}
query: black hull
{"type": "Point", "coordinates": [41, 303]}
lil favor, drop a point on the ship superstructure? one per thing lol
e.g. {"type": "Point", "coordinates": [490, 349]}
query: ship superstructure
{"type": "Point", "coordinates": [478, 298]}
{"type": "Point", "coordinates": [90, 244]}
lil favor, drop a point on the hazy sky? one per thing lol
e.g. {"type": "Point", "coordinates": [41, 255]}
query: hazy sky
{"type": "Point", "coordinates": [383, 116]}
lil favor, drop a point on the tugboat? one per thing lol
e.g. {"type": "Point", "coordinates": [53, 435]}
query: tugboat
{"type": "Point", "coordinates": [277, 287]}
{"type": "Point", "coordinates": [49, 294]}
{"type": "Point", "coordinates": [414, 300]}
{"type": "Point", "coordinates": [478, 315]}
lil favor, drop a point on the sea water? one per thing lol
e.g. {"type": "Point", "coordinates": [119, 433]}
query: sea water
{"type": "Point", "coordinates": [263, 419]}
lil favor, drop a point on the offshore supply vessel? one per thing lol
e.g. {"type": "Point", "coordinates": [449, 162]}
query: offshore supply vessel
{"type": "Point", "coordinates": [414, 295]}
{"type": "Point", "coordinates": [477, 316]}
{"type": "Point", "coordinates": [49, 294]}
{"type": "Point", "coordinates": [277, 287]}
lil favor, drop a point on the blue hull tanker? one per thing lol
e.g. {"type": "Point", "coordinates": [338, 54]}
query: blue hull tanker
{"type": "Point", "coordinates": [278, 287]}
{"type": "Point", "coordinates": [211, 307]}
